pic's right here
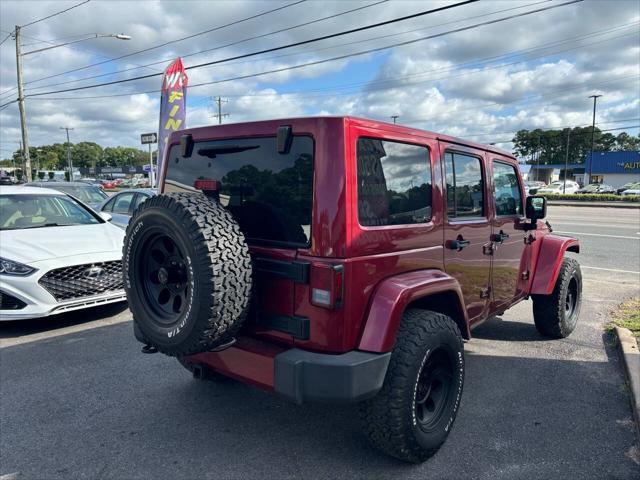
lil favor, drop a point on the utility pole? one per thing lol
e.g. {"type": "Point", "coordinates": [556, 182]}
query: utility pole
{"type": "Point", "coordinates": [566, 163]}
{"type": "Point", "coordinates": [23, 115]}
{"type": "Point", "coordinates": [220, 101]}
{"type": "Point", "coordinates": [69, 162]}
{"type": "Point", "coordinates": [593, 131]}
{"type": "Point", "coordinates": [394, 117]}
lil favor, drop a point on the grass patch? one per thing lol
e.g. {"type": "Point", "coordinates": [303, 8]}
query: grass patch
{"type": "Point", "coordinates": [628, 316]}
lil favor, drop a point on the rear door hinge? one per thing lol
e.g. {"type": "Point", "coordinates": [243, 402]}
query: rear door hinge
{"type": "Point", "coordinates": [485, 292]}
{"type": "Point", "coordinates": [525, 275]}
{"type": "Point", "coordinates": [489, 248]}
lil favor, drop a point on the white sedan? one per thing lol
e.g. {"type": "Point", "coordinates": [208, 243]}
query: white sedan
{"type": "Point", "coordinates": [56, 254]}
{"type": "Point", "coordinates": [557, 188]}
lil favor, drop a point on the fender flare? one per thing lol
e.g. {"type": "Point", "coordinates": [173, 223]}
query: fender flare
{"type": "Point", "coordinates": [392, 296]}
{"type": "Point", "coordinates": [550, 255]}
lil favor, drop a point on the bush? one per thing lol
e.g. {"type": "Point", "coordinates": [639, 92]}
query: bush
{"type": "Point", "coordinates": [592, 197]}
{"type": "Point", "coordinates": [41, 175]}
{"type": "Point", "coordinates": [51, 175]}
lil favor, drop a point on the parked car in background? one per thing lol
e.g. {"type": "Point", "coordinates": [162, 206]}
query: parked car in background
{"type": "Point", "coordinates": [91, 181]}
{"type": "Point", "coordinates": [632, 191]}
{"type": "Point", "coordinates": [596, 189]}
{"type": "Point", "coordinates": [5, 180]}
{"type": "Point", "coordinates": [56, 254]}
{"type": "Point", "coordinates": [109, 184]}
{"type": "Point", "coordinates": [89, 194]}
{"type": "Point", "coordinates": [532, 187]}
{"type": "Point", "coordinates": [628, 186]}
{"type": "Point", "coordinates": [557, 188]}
{"type": "Point", "coordinates": [121, 205]}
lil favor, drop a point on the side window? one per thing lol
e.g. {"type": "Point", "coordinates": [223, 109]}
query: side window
{"type": "Point", "coordinates": [138, 200]}
{"type": "Point", "coordinates": [123, 202]}
{"type": "Point", "coordinates": [507, 190]}
{"type": "Point", "coordinates": [394, 183]}
{"type": "Point", "coordinates": [464, 186]}
{"type": "Point", "coordinates": [108, 207]}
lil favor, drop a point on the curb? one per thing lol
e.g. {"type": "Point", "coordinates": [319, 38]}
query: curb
{"type": "Point", "coordinates": [576, 203]}
{"type": "Point", "coordinates": [631, 360]}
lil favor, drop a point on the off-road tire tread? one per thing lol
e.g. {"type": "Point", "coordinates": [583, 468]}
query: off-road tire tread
{"type": "Point", "coordinates": [384, 417]}
{"type": "Point", "coordinates": [548, 310]}
{"type": "Point", "coordinates": [222, 257]}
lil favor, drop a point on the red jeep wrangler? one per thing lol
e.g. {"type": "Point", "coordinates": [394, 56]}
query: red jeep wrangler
{"type": "Point", "coordinates": [342, 259]}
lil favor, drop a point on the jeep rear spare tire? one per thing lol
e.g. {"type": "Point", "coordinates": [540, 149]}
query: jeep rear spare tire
{"type": "Point", "coordinates": [187, 273]}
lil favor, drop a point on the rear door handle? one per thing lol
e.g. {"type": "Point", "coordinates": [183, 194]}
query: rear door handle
{"type": "Point", "coordinates": [458, 244]}
{"type": "Point", "coordinates": [499, 237]}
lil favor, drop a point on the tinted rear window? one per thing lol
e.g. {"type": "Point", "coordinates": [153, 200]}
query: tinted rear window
{"type": "Point", "coordinates": [269, 194]}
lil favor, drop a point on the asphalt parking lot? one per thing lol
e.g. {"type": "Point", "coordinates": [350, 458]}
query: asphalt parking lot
{"type": "Point", "coordinates": [80, 401]}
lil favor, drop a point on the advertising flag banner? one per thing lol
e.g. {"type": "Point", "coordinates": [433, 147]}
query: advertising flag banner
{"type": "Point", "coordinates": [173, 104]}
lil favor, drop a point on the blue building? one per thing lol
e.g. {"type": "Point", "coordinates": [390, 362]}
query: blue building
{"type": "Point", "coordinates": [611, 168]}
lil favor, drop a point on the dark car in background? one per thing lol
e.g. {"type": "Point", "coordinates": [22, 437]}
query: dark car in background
{"type": "Point", "coordinates": [122, 204]}
{"type": "Point", "coordinates": [597, 189]}
{"type": "Point", "coordinates": [88, 194]}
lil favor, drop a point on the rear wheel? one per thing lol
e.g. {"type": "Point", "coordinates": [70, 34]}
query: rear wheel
{"type": "Point", "coordinates": [413, 413]}
{"type": "Point", "coordinates": [556, 315]}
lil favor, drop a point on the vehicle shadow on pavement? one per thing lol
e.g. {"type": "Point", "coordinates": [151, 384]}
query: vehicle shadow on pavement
{"type": "Point", "coordinates": [496, 328]}
{"type": "Point", "coordinates": [101, 409]}
{"type": "Point", "coordinates": [18, 328]}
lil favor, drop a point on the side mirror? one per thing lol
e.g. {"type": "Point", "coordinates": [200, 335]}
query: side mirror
{"type": "Point", "coordinates": [105, 216]}
{"type": "Point", "coordinates": [536, 208]}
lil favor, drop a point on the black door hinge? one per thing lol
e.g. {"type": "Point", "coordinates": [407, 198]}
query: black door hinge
{"type": "Point", "coordinates": [485, 292]}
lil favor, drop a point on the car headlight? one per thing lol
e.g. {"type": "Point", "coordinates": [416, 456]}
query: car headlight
{"type": "Point", "coordinates": [9, 267]}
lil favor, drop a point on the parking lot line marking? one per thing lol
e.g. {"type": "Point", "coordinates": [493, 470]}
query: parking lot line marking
{"type": "Point", "coordinates": [611, 270]}
{"type": "Point", "coordinates": [598, 235]}
{"type": "Point", "coordinates": [35, 337]}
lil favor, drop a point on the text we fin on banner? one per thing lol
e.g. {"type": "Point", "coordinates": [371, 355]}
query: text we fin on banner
{"type": "Point", "coordinates": [173, 103]}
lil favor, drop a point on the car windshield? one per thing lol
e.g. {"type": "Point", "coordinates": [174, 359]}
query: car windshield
{"type": "Point", "coordinates": [37, 211]}
{"type": "Point", "coordinates": [86, 194]}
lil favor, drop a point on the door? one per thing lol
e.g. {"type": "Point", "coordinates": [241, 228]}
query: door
{"type": "Point", "coordinates": [508, 283]}
{"type": "Point", "coordinates": [467, 228]}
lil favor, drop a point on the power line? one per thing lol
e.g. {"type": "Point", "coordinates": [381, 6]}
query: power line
{"type": "Point", "coordinates": [479, 62]}
{"type": "Point", "coordinates": [318, 39]}
{"type": "Point", "coordinates": [281, 47]}
{"type": "Point", "coordinates": [57, 13]}
{"type": "Point", "coordinates": [236, 22]}
{"type": "Point", "coordinates": [222, 46]}
{"type": "Point", "coordinates": [6, 38]}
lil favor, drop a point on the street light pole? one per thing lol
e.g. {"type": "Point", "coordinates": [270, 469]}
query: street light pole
{"type": "Point", "coordinates": [21, 105]}
{"type": "Point", "coordinates": [23, 114]}
{"type": "Point", "coordinates": [593, 131]}
{"type": "Point", "coordinates": [69, 162]}
{"type": "Point", "coordinates": [394, 117]}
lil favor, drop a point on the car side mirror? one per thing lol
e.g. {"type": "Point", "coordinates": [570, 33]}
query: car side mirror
{"type": "Point", "coordinates": [105, 216]}
{"type": "Point", "coordinates": [536, 208]}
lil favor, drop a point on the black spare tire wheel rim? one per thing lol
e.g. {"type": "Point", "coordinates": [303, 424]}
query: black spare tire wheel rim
{"type": "Point", "coordinates": [434, 389]}
{"type": "Point", "coordinates": [164, 277]}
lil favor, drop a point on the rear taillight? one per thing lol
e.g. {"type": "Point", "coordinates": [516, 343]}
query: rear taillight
{"type": "Point", "coordinates": [327, 285]}
{"type": "Point", "coordinates": [207, 185]}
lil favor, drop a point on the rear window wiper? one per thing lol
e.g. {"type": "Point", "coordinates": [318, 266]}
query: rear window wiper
{"type": "Point", "coordinates": [212, 152]}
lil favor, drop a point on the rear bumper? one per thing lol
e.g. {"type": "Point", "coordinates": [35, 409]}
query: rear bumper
{"type": "Point", "coordinates": [303, 376]}
{"type": "Point", "coordinates": [299, 375]}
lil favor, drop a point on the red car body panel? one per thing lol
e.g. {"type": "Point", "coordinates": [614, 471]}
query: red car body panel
{"type": "Point", "coordinates": [392, 297]}
{"type": "Point", "coordinates": [549, 261]}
